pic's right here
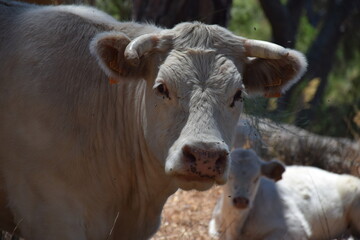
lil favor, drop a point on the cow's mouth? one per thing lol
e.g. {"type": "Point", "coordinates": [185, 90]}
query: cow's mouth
{"type": "Point", "coordinates": [201, 183]}
{"type": "Point", "coordinates": [196, 178]}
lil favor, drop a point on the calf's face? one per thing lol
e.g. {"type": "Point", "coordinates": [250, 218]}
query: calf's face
{"type": "Point", "coordinates": [196, 77]}
{"type": "Point", "coordinates": [246, 170]}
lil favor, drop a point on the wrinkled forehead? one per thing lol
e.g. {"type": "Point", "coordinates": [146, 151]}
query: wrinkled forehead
{"type": "Point", "coordinates": [198, 35]}
{"type": "Point", "coordinates": [205, 68]}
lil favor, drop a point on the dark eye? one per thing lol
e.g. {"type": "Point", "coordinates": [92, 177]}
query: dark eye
{"type": "Point", "coordinates": [237, 97]}
{"type": "Point", "coordinates": [163, 91]}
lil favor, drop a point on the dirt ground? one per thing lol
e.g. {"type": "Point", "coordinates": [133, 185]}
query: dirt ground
{"type": "Point", "coordinates": [186, 215]}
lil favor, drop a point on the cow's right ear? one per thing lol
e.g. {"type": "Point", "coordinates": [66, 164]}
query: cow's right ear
{"type": "Point", "coordinates": [109, 48]}
{"type": "Point", "coordinates": [273, 169]}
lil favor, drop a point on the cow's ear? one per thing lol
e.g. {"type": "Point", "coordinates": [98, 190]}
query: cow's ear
{"type": "Point", "coordinates": [109, 48]}
{"type": "Point", "coordinates": [272, 77]}
{"type": "Point", "coordinates": [273, 169]}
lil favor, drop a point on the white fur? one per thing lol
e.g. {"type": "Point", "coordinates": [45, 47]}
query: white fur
{"type": "Point", "coordinates": [308, 203]}
{"type": "Point", "coordinates": [79, 156]}
{"type": "Point", "coordinates": [303, 67]}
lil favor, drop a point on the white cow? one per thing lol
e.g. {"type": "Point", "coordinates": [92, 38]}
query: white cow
{"type": "Point", "coordinates": [82, 158]}
{"type": "Point", "coordinates": [308, 203]}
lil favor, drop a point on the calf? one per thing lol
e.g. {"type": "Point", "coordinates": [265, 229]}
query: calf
{"type": "Point", "coordinates": [308, 203]}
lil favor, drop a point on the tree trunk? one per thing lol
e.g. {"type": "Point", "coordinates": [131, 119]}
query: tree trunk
{"type": "Point", "coordinates": [322, 52]}
{"type": "Point", "coordinates": [284, 21]}
{"type": "Point", "coordinates": [321, 55]}
{"type": "Point", "coordinates": [167, 13]}
{"type": "Point", "coordinates": [296, 146]}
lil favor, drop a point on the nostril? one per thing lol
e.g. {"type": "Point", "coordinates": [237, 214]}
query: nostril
{"type": "Point", "coordinates": [188, 154]}
{"type": "Point", "coordinates": [221, 161]}
{"type": "Point", "coordinates": [241, 202]}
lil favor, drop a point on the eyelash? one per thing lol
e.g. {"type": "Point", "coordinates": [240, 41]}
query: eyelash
{"type": "Point", "coordinates": [237, 97]}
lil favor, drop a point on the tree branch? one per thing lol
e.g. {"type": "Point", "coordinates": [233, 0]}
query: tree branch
{"type": "Point", "coordinates": [278, 16]}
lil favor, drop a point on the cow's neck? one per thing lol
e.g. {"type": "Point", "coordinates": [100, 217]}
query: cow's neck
{"type": "Point", "coordinates": [138, 181]}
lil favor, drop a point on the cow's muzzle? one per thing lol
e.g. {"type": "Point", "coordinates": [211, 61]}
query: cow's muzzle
{"type": "Point", "coordinates": [199, 163]}
{"type": "Point", "coordinates": [204, 162]}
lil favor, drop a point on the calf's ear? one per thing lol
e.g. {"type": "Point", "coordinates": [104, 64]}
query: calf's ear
{"type": "Point", "coordinates": [273, 169]}
{"type": "Point", "coordinates": [271, 77]}
{"type": "Point", "coordinates": [120, 57]}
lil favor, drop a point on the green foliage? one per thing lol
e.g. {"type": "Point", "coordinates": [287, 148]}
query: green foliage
{"type": "Point", "coordinates": [337, 120]}
{"type": "Point", "coordinates": [341, 102]}
{"type": "Point", "coordinates": [344, 82]}
{"type": "Point", "coordinates": [248, 20]}
{"type": "Point", "coordinates": [306, 35]}
{"type": "Point", "coordinates": [342, 98]}
{"type": "Point", "coordinates": [119, 9]}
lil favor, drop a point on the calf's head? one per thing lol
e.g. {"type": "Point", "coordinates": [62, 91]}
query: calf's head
{"type": "Point", "coordinates": [196, 76]}
{"type": "Point", "coordinates": [246, 169]}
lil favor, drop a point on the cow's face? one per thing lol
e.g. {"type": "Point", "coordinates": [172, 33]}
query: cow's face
{"type": "Point", "coordinates": [244, 178]}
{"type": "Point", "coordinates": [192, 108]}
{"type": "Point", "coordinates": [196, 76]}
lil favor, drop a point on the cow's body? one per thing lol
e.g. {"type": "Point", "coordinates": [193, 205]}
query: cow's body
{"type": "Point", "coordinates": [308, 203]}
{"type": "Point", "coordinates": [82, 158]}
{"type": "Point", "coordinates": [65, 129]}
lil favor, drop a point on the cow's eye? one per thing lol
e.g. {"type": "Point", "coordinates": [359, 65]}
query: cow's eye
{"type": "Point", "coordinates": [237, 97]}
{"type": "Point", "coordinates": [162, 90]}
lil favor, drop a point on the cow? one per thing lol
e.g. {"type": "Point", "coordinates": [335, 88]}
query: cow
{"type": "Point", "coordinates": [101, 121]}
{"type": "Point", "coordinates": [307, 202]}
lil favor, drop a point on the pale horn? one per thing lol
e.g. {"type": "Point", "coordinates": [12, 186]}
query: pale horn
{"type": "Point", "coordinates": [145, 43]}
{"type": "Point", "coordinates": [262, 49]}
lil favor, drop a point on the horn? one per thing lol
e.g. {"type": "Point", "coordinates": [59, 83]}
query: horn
{"type": "Point", "coordinates": [145, 43]}
{"type": "Point", "coordinates": [262, 49]}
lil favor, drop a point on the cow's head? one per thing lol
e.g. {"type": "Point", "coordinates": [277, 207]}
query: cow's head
{"type": "Point", "coordinates": [246, 169]}
{"type": "Point", "coordinates": [196, 77]}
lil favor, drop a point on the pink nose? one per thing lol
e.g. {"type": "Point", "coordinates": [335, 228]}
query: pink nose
{"type": "Point", "coordinates": [205, 162]}
{"type": "Point", "coordinates": [241, 202]}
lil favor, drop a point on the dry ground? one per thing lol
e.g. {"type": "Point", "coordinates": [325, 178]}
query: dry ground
{"type": "Point", "coordinates": [186, 215]}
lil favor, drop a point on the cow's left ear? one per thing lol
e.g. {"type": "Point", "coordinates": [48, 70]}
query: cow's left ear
{"type": "Point", "coordinates": [273, 169]}
{"type": "Point", "coordinates": [272, 69]}
{"type": "Point", "coordinates": [120, 57]}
